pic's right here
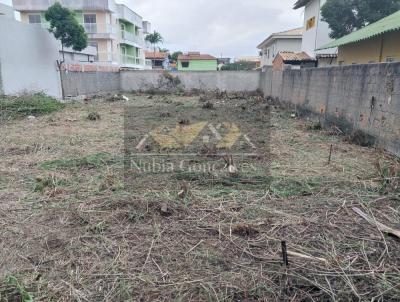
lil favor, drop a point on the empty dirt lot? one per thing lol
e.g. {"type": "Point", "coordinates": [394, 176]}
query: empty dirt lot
{"type": "Point", "coordinates": [73, 228]}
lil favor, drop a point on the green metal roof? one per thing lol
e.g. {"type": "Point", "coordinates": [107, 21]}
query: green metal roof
{"type": "Point", "coordinates": [301, 3]}
{"type": "Point", "coordinates": [390, 23]}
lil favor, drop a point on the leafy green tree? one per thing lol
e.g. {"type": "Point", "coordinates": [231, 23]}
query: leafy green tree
{"type": "Point", "coordinates": [164, 50]}
{"type": "Point", "coordinates": [65, 27]}
{"type": "Point", "coordinates": [346, 16]}
{"type": "Point", "coordinates": [175, 55]}
{"type": "Point", "coordinates": [154, 38]}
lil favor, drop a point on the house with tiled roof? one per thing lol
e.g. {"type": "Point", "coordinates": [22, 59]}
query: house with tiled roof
{"type": "Point", "coordinates": [195, 61]}
{"type": "Point", "coordinates": [289, 40]}
{"type": "Point", "coordinates": [158, 59]}
{"type": "Point", "coordinates": [289, 60]}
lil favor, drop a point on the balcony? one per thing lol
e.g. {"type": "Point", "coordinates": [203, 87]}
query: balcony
{"type": "Point", "coordinates": [129, 61]}
{"type": "Point", "coordinates": [132, 39]}
{"type": "Point", "coordinates": [107, 57]}
{"type": "Point", "coordinates": [42, 5]}
{"type": "Point", "coordinates": [128, 15]}
{"type": "Point", "coordinates": [100, 30]}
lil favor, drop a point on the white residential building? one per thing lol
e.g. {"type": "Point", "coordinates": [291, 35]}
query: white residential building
{"type": "Point", "coordinates": [316, 31]}
{"type": "Point", "coordinates": [285, 41]}
{"type": "Point", "coordinates": [6, 11]}
{"type": "Point", "coordinates": [113, 29]}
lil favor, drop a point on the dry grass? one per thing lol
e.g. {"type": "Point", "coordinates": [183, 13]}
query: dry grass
{"type": "Point", "coordinates": [70, 231]}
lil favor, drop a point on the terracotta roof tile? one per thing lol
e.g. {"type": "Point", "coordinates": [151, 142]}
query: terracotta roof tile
{"type": "Point", "coordinates": [291, 56]}
{"type": "Point", "coordinates": [156, 55]}
{"type": "Point", "coordinates": [195, 56]}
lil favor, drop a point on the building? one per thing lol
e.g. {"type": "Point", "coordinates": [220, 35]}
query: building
{"type": "Point", "coordinates": [6, 11]}
{"type": "Point", "coordinates": [316, 32]}
{"type": "Point", "coordinates": [113, 29]}
{"type": "Point", "coordinates": [289, 40]}
{"type": "Point", "coordinates": [289, 60]}
{"type": "Point", "coordinates": [158, 60]}
{"type": "Point", "coordinates": [253, 59]}
{"type": "Point", "coordinates": [222, 62]}
{"type": "Point", "coordinates": [194, 61]}
{"type": "Point", "coordinates": [376, 43]}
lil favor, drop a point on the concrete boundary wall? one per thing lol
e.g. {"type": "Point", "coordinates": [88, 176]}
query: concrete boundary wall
{"type": "Point", "coordinates": [86, 83]}
{"type": "Point", "coordinates": [230, 81]}
{"type": "Point", "coordinates": [364, 97]}
{"type": "Point", "coordinates": [356, 97]}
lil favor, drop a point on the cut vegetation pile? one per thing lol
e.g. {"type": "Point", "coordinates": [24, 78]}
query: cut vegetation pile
{"type": "Point", "coordinates": [27, 105]}
{"type": "Point", "coordinates": [321, 225]}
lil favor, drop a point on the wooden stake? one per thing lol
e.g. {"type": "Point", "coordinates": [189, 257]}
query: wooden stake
{"type": "Point", "coordinates": [284, 254]}
{"type": "Point", "coordinates": [330, 155]}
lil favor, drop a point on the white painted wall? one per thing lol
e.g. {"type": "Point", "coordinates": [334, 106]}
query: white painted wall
{"type": "Point", "coordinates": [6, 11]}
{"type": "Point", "coordinates": [318, 35]}
{"type": "Point", "coordinates": [28, 56]}
{"type": "Point", "coordinates": [281, 44]}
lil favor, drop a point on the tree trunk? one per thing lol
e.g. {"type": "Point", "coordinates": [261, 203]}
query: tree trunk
{"type": "Point", "coordinates": [154, 56]}
{"type": "Point", "coordinates": [60, 65]}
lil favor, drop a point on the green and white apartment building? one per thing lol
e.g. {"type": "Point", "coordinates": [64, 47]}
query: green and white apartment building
{"type": "Point", "coordinates": [115, 30]}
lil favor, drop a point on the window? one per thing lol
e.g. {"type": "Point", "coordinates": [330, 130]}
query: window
{"type": "Point", "coordinates": [268, 53]}
{"type": "Point", "coordinates": [90, 24]}
{"type": "Point", "coordinates": [310, 23]}
{"type": "Point", "coordinates": [89, 18]}
{"type": "Point", "coordinates": [185, 64]}
{"type": "Point", "coordinates": [35, 19]}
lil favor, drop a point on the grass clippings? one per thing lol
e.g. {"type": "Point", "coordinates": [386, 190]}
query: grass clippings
{"type": "Point", "coordinates": [70, 231]}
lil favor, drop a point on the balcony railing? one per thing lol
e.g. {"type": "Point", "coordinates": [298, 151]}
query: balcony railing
{"type": "Point", "coordinates": [125, 13]}
{"type": "Point", "coordinates": [126, 35]}
{"type": "Point", "coordinates": [104, 56]}
{"type": "Point", "coordinates": [132, 60]}
{"type": "Point", "coordinates": [98, 28]}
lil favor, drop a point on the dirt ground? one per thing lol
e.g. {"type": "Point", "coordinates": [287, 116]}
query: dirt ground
{"type": "Point", "coordinates": [73, 227]}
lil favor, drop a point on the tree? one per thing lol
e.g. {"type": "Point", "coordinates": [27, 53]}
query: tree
{"type": "Point", "coordinates": [65, 28]}
{"type": "Point", "coordinates": [164, 50]}
{"type": "Point", "coordinates": [175, 55]}
{"type": "Point", "coordinates": [241, 65]}
{"type": "Point", "coordinates": [346, 16]}
{"type": "Point", "coordinates": [154, 38]}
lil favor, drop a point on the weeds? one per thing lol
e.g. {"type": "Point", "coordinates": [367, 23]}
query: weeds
{"type": "Point", "coordinates": [15, 291]}
{"type": "Point", "coordinates": [87, 162]}
{"type": "Point", "coordinates": [28, 105]}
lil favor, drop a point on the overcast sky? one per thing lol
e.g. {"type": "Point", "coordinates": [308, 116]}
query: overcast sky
{"type": "Point", "coordinates": [218, 27]}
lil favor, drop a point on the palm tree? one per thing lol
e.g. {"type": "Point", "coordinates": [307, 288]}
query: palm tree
{"type": "Point", "coordinates": [154, 38]}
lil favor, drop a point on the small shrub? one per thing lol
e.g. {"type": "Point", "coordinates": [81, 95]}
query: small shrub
{"type": "Point", "coordinates": [93, 116]}
{"type": "Point", "coordinates": [362, 139]}
{"type": "Point", "coordinates": [28, 105]}
{"type": "Point", "coordinates": [315, 126]}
